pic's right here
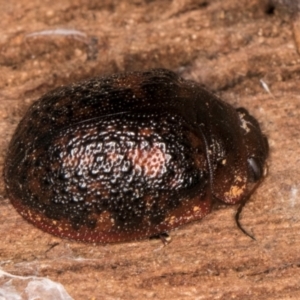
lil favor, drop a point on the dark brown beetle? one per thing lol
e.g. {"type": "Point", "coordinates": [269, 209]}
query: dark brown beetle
{"type": "Point", "coordinates": [129, 156]}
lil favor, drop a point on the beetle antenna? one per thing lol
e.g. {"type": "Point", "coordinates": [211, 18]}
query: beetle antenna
{"type": "Point", "coordinates": [241, 206]}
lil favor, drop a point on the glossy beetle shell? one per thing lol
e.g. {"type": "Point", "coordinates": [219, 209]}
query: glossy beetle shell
{"type": "Point", "coordinates": [130, 156]}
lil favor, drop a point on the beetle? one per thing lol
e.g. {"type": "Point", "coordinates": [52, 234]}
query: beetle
{"type": "Point", "coordinates": [129, 156]}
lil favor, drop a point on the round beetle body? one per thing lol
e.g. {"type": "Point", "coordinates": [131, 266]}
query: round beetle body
{"type": "Point", "coordinates": [129, 156]}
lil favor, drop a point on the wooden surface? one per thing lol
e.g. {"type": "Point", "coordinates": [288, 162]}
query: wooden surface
{"type": "Point", "coordinates": [246, 54]}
